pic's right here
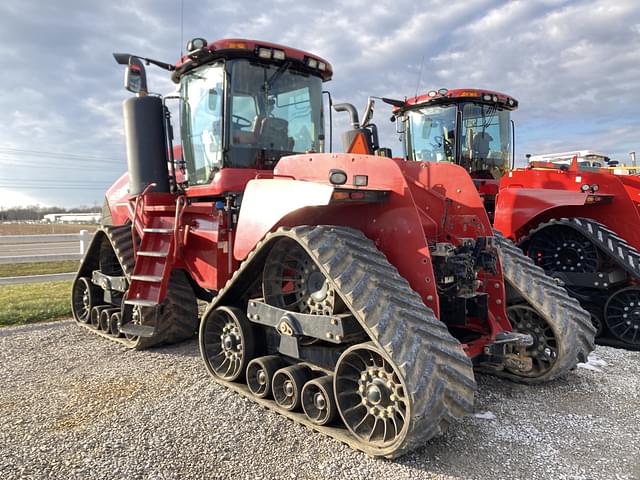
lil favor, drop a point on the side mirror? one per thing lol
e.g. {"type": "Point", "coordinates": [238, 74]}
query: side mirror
{"type": "Point", "coordinates": [135, 75]}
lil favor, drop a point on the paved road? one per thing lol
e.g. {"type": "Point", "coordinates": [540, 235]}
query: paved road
{"type": "Point", "coordinates": [48, 248]}
{"type": "Point", "coordinates": [73, 405]}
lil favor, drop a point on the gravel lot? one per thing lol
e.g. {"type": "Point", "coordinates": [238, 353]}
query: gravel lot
{"type": "Point", "coordinates": [73, 405]}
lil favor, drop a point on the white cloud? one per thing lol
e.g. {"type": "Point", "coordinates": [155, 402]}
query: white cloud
{"type": "Point", "coordinates": [573, 64]}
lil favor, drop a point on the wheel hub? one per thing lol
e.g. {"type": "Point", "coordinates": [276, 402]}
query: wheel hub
{"type": "Point", "coordinates": [319, 401]}
{"type": "Point", "coordinates": [377, 391]}
{"type": "Point", "coordinates": [289, 390]}
{"type": "Point", "coordinates": [262, 377]}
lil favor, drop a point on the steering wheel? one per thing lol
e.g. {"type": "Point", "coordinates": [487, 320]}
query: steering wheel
{"type": "Point", "coordinates": [438, 141]}
{"type": "Point", "coordinates": [241, 122]}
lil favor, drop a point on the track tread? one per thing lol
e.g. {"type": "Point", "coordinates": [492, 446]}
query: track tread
{"type": "Point", "coordinates": [571, 323]}
{"type": "Point", "coordinates": [437, 373]}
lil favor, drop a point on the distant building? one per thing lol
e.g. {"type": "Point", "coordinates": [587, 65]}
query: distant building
{"type": "Point", "coordinates": [72, 218]}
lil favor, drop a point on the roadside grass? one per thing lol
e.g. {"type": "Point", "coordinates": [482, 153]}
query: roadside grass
{"type": "Point", "coordinates": [34, 302]}
{"type": "Point", "coordinates": [43, 228]}
{"type": "Point", "coordinates": [40, 268]}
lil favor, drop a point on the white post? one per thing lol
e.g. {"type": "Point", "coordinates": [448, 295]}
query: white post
{"type": "Point", "coordinates": [84, 241]}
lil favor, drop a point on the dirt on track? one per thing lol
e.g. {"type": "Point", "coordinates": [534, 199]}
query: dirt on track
{"type": "Point", "coordinates": [73, 405]}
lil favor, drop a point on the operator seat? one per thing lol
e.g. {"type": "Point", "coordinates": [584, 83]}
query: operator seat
{"type": "Point", "coordinates": [481, 145]}
{"type": "Point", "coordinates": [273, 134]}
{"type": "Point", "coordinates": [249, 136]}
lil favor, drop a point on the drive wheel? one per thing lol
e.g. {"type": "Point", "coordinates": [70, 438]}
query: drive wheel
{"type": "Point", "coordinates": [622, 315]}
{"type": "Point", "coordinates": [227, 343]}
{"type": "Point", "coordinates": [292, 281]}
{"type": "Point", "coordinates": [371, 396]}
{"type": "Point", "coordinates": [562, 249]}
{"type": "Point", "coordinates": [83, 298]}
{"type": "Point", "coordinates": [544, 351]}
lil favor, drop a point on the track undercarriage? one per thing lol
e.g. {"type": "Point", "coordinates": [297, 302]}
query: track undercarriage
{"type": "Point", "coordinates": [599, 269]}
{"type": "Point", "coordinates": [319, 327]}
{"type": "Point", "coordinates": [100, 287]}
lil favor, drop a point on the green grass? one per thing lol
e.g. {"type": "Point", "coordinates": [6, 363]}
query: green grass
{"type": "Point", "coordinates": [34, 302]}
{"type": "Point", "coordinates": [43, 228]}
{"type": "Point", "coordinates": [25, 269]}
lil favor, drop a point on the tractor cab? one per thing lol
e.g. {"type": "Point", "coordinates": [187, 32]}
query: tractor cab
{"type": "Point", "coordinates": [471, 128]}
{"type": "Point", "coordinates": [243, 105]}
{"type": "Point", "coordinates": [468, 127]}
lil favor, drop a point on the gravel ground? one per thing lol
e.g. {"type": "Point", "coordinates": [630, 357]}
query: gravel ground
{"type": "Point", "coordinates": [73, 405]}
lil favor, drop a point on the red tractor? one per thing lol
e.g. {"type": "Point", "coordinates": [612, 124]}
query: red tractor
{"type": "Point", "coordinates": [352, 293]}
{"type": "Point", "coordinates": [576, 221]}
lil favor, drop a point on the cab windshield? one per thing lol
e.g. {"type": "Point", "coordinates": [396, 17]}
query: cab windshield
{"type": "Point", "coordinates": [484, 144]}
{"type": "Point", "coordinates": [248, 118]}
{"type": "Point", "coordinates": [485, 141]}
{"type": "Point", "coordinates": [431, 133]}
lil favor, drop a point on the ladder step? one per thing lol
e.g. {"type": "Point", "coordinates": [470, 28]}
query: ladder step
{"type": "Point", "coordinates": [147, 278]}
{"type": "Point", "coordinates": [153, 254]}
{"type": "Point", "coordinates": [138, 330]}
{"type": "Point", "coordinates": [141, 303]}
{"type": "Point", "coordinates": [157, 230]}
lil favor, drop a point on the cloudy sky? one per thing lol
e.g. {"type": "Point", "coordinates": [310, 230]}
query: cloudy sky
{"type": "Point", "coordinates": [573, 65]}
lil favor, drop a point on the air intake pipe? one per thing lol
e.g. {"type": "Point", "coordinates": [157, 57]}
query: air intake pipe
{"type": "Point", "coordinates": [146, 141]}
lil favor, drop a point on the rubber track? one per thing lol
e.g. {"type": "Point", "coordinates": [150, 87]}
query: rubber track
{"type": "Point", "coordinates": [438, 375]}
{"type": "Point", "coordinates": [626, 256]}
{"type": "Point", "coordinates": [570, 322]}
{"type": "Point", "coordinates": [178, 314]}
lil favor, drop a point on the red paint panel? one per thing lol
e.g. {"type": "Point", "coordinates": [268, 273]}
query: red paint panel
{"type": "Point", "coordinates": [529, 197]}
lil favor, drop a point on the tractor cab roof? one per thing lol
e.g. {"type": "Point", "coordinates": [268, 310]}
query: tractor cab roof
{"type": "Point", "coordinates": [228, 48]}
{"type": "Point", "coordinates": [436, 97]}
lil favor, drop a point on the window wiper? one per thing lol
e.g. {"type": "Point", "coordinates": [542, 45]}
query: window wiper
{"type": "Point", "coordinates": [276, 75]}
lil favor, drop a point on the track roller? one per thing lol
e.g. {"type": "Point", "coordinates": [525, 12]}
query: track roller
{"type": "Point", "coordinates": [105, 318]}
{"type": "Point", "coordinates": [260, 373]}
{"type": "Point", "coordinates": [318, 401]}
{"type": "Point", "coordinates": [83, 298]}
{"type": "Point", "coordinates": [114, 324]}
{"type": "Point", "coordinates": [226, 342]}
{"type": "Point", "coordinates": [95, 315]}
{"type": "Point", "coordinates": [287, 385]}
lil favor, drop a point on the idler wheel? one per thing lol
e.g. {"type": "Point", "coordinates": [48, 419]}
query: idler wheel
{"type": "Point", "coordinates": [287, 385]}
{"type": "Point", "coordinates": [318, 401]}
{"type": "Point", "coordinates": [622, 315]}
{"type": "Point", "coordinates": [226, 342]}
{"type": "Point", "coordinates": [260, 373]}
{"type": "Point", "coordinates": [83, 298]}
{"type": "Point", "coordinates": [545, 348]}
{"type": "Point", "coordinates": [371, 396]}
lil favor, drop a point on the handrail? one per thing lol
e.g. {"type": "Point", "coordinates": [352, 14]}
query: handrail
{"type": "Point", "coordinates": [139, 201]}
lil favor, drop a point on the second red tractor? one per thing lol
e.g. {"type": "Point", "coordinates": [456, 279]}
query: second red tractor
{"type": "Point", "coordinates": [575, 220]}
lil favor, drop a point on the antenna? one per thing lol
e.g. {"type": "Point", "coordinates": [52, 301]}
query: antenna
{"type": "Point", "coordinates": [181, 26]}
{"type": "Point", "coordinates": [419, 75]}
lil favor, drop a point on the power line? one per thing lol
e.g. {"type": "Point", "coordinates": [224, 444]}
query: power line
{"type": "Point", "coordinates": [59, 155]}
